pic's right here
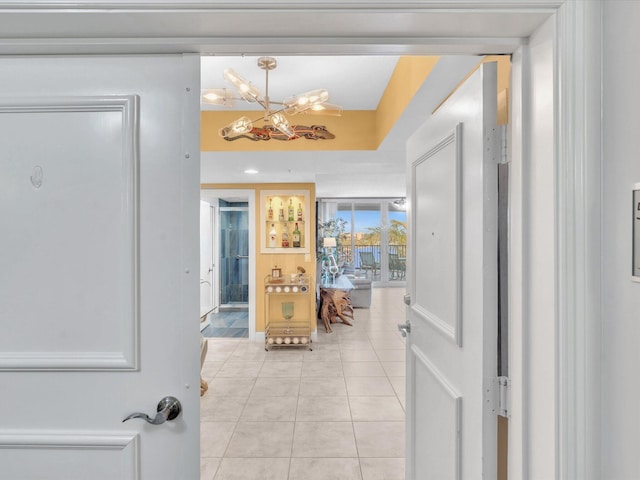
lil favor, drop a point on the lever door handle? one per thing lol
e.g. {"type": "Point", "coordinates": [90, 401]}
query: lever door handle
{"type": "Point", "coordinates": [168, 409]}
{"type": "Point", "coordinates": [404, 328]}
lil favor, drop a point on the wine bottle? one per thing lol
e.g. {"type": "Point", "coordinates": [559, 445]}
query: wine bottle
{"type": "Point", "coordinates": [299, 212]}
{"type": "Point", "coordinates": [281, 213]}
{"type": "Point", "coordinates": [296, 237]}
{"type": "Point", "coordinates": [273, 237]}
{"type": "Point", "coordinates": [290, 211]}
{"type": "Point", "coordinates": [270, 214]}
{"type": "Point", "coordinates": [285, 236]}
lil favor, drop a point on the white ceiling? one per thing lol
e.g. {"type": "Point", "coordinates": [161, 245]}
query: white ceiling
{"type": "Point", "coordinates": [353, 82]}
{"type": "Point", "coordinates": [379, 173]}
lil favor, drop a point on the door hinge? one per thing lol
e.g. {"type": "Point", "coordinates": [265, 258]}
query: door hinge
{"type": "Point", "coordinates": [504, 396]}
{"type": "Point", "coordinates": [504, 150]}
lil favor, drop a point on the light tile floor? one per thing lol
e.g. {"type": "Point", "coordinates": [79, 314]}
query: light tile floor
{"type": "Point", "coordinates": [336, 412]}
{"type": "Point", "coordinates": [228, 323]}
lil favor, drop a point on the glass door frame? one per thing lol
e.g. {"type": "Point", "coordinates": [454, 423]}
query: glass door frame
{"type": "Point", "coordinates": [328, 208]}
{"type": "Point", "coordinates": [221, 281]}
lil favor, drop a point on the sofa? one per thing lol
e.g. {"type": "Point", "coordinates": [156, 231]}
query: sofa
{"type": "Point", "coordinates": [361, 293]}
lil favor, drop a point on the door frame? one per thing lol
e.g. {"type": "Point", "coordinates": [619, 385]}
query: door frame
{"type": "Point", "coordinates": [250, 195]}
{"type": "Point", "coordinates": [576, 43]}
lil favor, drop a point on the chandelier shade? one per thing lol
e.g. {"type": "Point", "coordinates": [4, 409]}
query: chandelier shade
{"type": "Point", "coordinates": [247, 91]}
{"type": "Point", "coordinates": [218, 96]}
{"type": "Point", "coordinates": [312, 102]}
{"type": "Point", "coordinates": [237, 127]}
{"type": "Point", "coordinates": [305, 101]}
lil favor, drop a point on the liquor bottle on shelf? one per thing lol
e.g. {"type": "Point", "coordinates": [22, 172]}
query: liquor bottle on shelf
{"type": "Point", "coordinates": [270, 213]}
{"type": "Point", "coordinates": [273, 237]}
{"type": "Point", "coordinates": [296, 237]}
{"type": "Point", "coordinates": [281, 213]}
{"type": "Point", "coordinates": [290, 211]}
{"type": "Point", "coordinates": [285, 236]}
{"type": "Point", "coordinates": [299, 212]}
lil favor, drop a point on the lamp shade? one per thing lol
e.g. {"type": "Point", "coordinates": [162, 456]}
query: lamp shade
{"type": "Point", "coordinates": [281, 123]}
{"type": "Point", "coordinates": [304, 101]}
{"type": "Point", "coordinates": [325, 109]}
{"type": "Point", "coordinates": [329, 242]}
{"type": "Point", "coordinates": [218, 96]}
{"type": "Point", "coordinates": [245, 89]}
{"type": "Point", "coordinates": [237, 127]}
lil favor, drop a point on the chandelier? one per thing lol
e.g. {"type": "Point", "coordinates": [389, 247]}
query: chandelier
{"type": "Point", "coordinates": [313, 102]}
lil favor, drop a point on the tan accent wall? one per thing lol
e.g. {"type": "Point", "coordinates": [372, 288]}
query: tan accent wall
{"type": "Point", "coordinates": [288, 262]}
{"type": "Point", "coordinates": [407, 78]}
{"type": "Point", "coordinates": [354, 130]}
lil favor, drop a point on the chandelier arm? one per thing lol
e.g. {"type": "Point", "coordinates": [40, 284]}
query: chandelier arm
{"type": "Point", "coordinates": [262, 103]}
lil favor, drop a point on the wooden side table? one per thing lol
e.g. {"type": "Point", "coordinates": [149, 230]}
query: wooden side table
{"type": "Point", "coordinates": [335, 302]}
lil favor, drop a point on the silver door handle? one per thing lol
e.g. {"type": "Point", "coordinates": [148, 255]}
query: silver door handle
{"type": "Point", "coordinates": [404, 328]}
{"type": "Point", "coordinates": [168, 409]}
{"type": "Point", "coordinates": [238, 257]}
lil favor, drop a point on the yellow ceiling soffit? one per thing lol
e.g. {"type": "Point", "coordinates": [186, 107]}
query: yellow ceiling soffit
{"type": "Point", "coordinates": [407, 78]}
{"type": "Point", "coordinates": [354, 130]}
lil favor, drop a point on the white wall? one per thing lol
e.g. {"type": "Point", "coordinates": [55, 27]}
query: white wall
{"type": "Point", "coordinates": [621, 305]}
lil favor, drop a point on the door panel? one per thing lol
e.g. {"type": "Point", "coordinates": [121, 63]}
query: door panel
{"type": "Point", "coordinates": [451, 347]}
{"type": "Point", "coordinates": [72, 457]}
{"type": "Point", "coordinates": [437, 173]}
{"type": "Point", "coordinates": [85, 265]}
{"type": "Point", "coordinates": [98, 304]}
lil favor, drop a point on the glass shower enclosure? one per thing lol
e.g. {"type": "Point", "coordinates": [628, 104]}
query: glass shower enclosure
{"type": "Point", "coordinates": [234, 255]}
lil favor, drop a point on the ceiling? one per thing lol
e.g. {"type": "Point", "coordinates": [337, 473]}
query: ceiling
{"type": "Point", "coordinates": [354, 82]}
{"type": "Point", "coordinates": [290, 27]}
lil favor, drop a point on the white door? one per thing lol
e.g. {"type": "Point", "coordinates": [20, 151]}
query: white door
{"type": "Point", "coordinates": [452, 283]}
{"type": "Point", "coordinates": [99, 190]}
{"type": "Point", "coordinates": [207, 278]}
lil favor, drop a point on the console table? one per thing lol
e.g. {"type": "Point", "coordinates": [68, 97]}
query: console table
{"type": "Point", "coordinates": [335, 302]}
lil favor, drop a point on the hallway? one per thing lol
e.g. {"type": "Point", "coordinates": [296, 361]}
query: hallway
{"type": "Point", "coordinates": [292, 414]}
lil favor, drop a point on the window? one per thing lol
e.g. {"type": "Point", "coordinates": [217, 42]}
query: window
{"type": "Point", "coordinates": [374, 241]}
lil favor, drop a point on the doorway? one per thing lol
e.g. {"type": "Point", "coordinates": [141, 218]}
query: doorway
{"type": "Point", "coordinates": [233, 263]}
{"type": "Point", "coordinates": [233, 258]}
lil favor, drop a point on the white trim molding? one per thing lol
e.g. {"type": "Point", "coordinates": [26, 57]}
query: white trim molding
{"type": "Point", "coordinates": [408, 27]}
{"type": "Point", "coordinates": [579, 250]}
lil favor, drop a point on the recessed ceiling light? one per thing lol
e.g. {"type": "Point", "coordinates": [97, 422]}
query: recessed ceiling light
{"type": "Point", "coordinates": [251, 171]}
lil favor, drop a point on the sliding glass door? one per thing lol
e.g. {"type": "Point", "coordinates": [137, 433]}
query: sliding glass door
{"type": "Point", "coordinates": [374, 241]}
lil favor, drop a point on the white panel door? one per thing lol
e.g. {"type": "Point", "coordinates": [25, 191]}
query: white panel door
{"type": "Point", "coordinates": [99, 199]}
{"type": "Point", "coordinates": [452, 282]}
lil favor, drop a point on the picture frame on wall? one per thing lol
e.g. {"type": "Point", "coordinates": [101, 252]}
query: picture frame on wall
{"type": "Point", "coordinates": [276, 272]}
